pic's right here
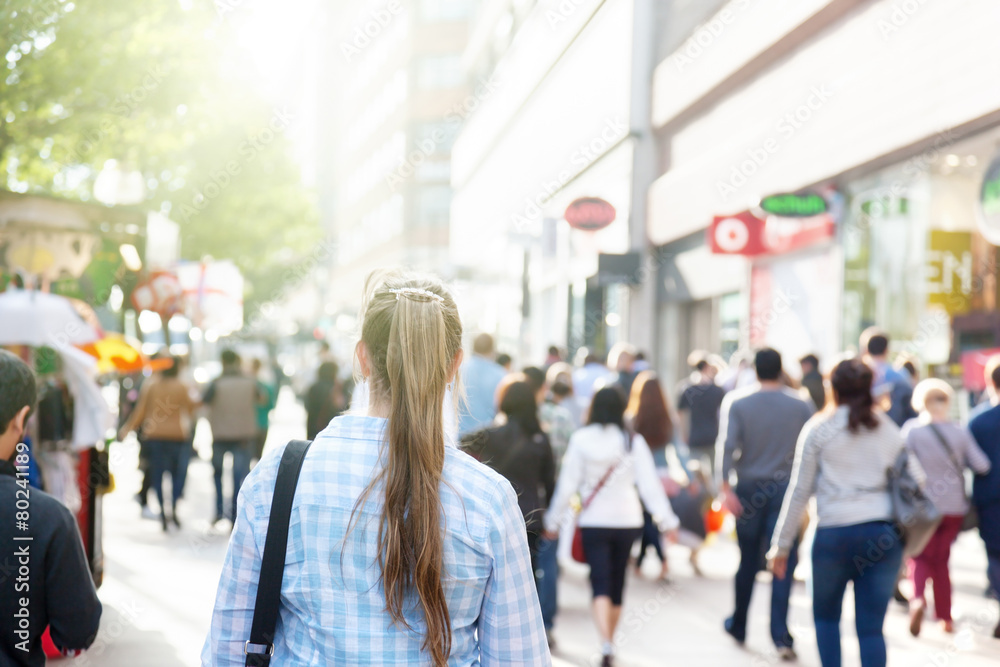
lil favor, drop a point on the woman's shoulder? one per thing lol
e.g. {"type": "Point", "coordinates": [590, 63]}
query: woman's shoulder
{"type": "Point", "coordinates": [468, 476]}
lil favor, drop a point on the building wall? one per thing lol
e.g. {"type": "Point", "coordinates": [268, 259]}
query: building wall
{"type": "Point", "coordinates": [791, 93]}
{"type": "Point", "coordinates": [555, 125]}
{"type": "Point", "coordinates": [390, 97]}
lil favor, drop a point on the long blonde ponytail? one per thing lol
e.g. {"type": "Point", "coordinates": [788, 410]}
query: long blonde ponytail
{"type": "Point", "coordinates": [412, 333]}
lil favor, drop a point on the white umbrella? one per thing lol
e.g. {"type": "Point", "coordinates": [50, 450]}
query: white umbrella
{"type": "Point", "coordinates": [35, 318]}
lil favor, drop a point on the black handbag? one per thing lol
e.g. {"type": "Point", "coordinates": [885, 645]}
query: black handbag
{"type": "Point", "coordinates": [260, 647]}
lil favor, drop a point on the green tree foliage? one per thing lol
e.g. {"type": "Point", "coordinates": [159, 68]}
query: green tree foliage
{"type": "Point", "coordinates": [160, 87]}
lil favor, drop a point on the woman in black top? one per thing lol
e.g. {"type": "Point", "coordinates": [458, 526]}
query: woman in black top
{"type": "Point", "coordinates": [521, 452]}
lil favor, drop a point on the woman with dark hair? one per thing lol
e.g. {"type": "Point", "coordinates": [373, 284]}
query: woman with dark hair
{"type": "Point", "coordinates": [647, 414]}
{"type": "Point", "coordinates": [401, 550]}
{"type": "Point", "coordinates": [165, 413]}
{"type": "Point", "coordinates": [520, 451]}
{"type": "Point", "coordinates": [614, 470]}
{"type": "Point", "coordinates": [841, 458]}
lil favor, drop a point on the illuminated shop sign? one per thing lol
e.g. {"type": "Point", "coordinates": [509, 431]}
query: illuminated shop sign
{"type": "Point", "coordinates": [989, 203]}
{"type": "Point", "coordinates": [801, 205]}
{"type": "Point", "coordinates": [590, 214]}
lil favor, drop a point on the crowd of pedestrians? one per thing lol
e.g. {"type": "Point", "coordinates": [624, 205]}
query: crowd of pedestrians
{"type": "Point", "coordinates": [763, 444]}
{"type": "Point", "coordinates": [432, 514]}
{"type": "Point", "coordinates": [596, 456]}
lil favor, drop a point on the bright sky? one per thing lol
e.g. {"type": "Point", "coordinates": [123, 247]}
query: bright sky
{"type": "Point", "coordinates": [280, 38]}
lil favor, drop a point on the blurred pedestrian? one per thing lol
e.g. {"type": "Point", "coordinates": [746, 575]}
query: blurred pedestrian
{"type": "Point", "coordinates": [621, 360]}
{"type": "Point", "coordinates": [481, 376]}
{"type": "Point", "coordinates": [269, 392]}
{"type": "Point", "coordinates": [165, 412]}
{"type": "Point", "coordinates": [591, 375]}
{"type": "Point", "coordinates": [46, 581]}
{"type": "Point", "coordinates": [424, 549]}
{"type": "Point", "coordinates": [554, 356]}
{"type": "Point", "coordinates": [944, 450]}
{"type": "Point", "coordinates": [562, 373]}
{"type": "Point", "coordinates": [521, 452]}
{"type": "Point", "coordinates": [504, 361]}
{"type": "Point", "coordinates": [985, 429]}
{"type": "Point", "coordinates": [232, 399]}
{"type": "Point", "coordinates": [698, 412]}
{"type": "Point", "coordinates": [890, 388]}
{"type": "Point", "coordinates": [760, 426]}
{"type": "Point", "coordinates": [325, 399]}
{"type": "Point", "coordinates": [812, 380]}
{"type": "Point", "coordinates": [842, 458]}
{"type": "Point", "coordinates": [647, 414]}
{"type": "Point", "coordinates": [640, 363]}
{"type": "Point", "coordinates": [616, 470]}
{"type": "Point", "coordinates": [991, 396]}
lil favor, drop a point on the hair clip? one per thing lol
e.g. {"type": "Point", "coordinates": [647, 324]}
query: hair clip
{"type": "Point", "coordinates": [417, 294]}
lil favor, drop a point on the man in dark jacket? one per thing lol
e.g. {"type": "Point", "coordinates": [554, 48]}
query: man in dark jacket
{"type": "Point", "coordinates": [812, 380]}
{"type": "Point", "coordinates": [44, 576]}
{"type": "Point", "coordinates": [986, 488]}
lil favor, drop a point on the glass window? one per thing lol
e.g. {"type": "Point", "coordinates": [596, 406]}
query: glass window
{"type": "Point", "coordinates": [440, 71]}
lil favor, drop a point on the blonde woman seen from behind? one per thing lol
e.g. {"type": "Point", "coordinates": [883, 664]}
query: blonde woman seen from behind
{"type": "Point", "coordinates": [400, 550]}
{"type": "Point", "coordinates": [944, 450]}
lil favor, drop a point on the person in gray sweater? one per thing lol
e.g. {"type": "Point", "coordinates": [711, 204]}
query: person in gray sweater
{"type": "Point", "coordinates": [759, 427]}
{"type": "Point", "coordinates": [842, 458]}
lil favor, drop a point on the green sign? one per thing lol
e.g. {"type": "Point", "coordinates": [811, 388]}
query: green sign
{"type": "Point", "coordinates": [804, 205]}
{"type": "Point", "coordinates": [989, 201]}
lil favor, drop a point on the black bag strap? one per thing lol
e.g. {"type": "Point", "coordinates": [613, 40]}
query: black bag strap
{"type": "Point", "coordinates": [951, 454]}
{"type": "Point", "coordinates": [260, 647]}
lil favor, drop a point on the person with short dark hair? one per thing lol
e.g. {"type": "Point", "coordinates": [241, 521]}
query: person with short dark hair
{"type": "Point", "coordinates": [49, 583]}
{"type": "Point", "coordinates": [232, 398]}
{"type": "Point", "coordinates": [812, 380]}
{"type": "Point", "coordinates": [842, 458]}
{"type": "Point", "coordinates": [612, 522]}
{"type": "Point", "coordinates": [889, 386]}
{"type": "Point", "coordinates": [165, 412]}
{"type": "Point", "coordinates": [759, 428]}
{"type": "Point", "coordinates": [985, 428]}
{"type": "Point", "coordinates": [698, 412]}
{"type": "Point", "coordinates": [504, 360]}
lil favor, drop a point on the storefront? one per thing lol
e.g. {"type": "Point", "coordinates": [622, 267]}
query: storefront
{"type": "Point", "coordinates": [918, 260]}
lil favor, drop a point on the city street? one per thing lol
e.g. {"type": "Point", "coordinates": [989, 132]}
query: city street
{"type": "Point", "coordinates": [158, 592]}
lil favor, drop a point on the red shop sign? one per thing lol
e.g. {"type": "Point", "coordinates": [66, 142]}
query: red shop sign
{"type": "Point", "coordinates": [746, 234]}
{"type": "Point", "coordinates": [590, 214]}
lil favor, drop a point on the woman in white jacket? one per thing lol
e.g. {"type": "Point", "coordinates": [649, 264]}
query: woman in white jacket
{"type": "Point", "coordinates": [612, 522]}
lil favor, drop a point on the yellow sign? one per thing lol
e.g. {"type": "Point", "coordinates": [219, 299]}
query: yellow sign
{"type": "Point", "coordinates": [949, 271]}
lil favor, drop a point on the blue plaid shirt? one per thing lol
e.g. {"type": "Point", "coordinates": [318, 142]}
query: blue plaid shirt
{"type": "Point", "coordinates": [332, 604]}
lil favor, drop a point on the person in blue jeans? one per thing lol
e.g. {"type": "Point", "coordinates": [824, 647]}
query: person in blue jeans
{"type": "Point", "coordinates": [759, 427]}
{"type": "Point", "coordinates": [841, 458]}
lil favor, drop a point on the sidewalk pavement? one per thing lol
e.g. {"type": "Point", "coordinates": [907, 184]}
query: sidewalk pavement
{"type": "Point", "coordinates": [159, 589]}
